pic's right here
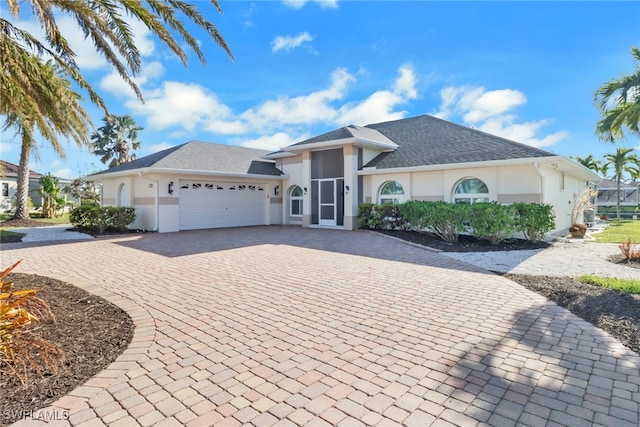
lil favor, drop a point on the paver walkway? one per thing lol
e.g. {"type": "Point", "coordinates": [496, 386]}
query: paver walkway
{"type": "Point", "coordinates": [287, 326]}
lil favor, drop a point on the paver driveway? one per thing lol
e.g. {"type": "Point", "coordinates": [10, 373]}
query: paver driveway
{"type": "Point", "coordinates": [288, 326]}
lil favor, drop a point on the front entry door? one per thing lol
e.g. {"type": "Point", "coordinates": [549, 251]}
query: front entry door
{"type": "Point", "coordinates": [327, 202]}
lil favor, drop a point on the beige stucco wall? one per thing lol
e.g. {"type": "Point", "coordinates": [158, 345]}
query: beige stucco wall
{"type": "Point", "coordinates": [12, 186]}
{"type": "Point", "coordinates": [506, 184]}
{"type": "Point", "coordinates": [291, 166]}
{"type": "Point", "coordinates": [562, 190]}
{"type": "Point", "coordinates": [141, 192]}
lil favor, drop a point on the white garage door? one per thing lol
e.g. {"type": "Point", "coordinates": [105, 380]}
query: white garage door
{"type": "Point", "coordinates": [206, 204]}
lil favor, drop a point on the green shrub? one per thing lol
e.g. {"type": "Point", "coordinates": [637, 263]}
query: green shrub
{"type": "Point", "coordinates": [534, 220]}
{"type": "Point", "coordinates": [376, 217]}
{"type": "Point", "coordinates": [390, 216]}
{"type": "Point", "coordinates": [443, 219]}
{"type": "Point", "coordinates": [491, 221]}
{"type": "Point", "coordinates": [368, 216]}
{"type": "Point", "coordinates": [102, 219]}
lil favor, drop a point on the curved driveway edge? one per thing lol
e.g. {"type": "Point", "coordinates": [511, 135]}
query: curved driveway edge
{"type": "Point", "coordinates": [287, 326]}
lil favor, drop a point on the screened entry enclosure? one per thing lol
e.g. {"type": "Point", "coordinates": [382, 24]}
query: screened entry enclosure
{"type": "Point", "coordinates": [327, 187]}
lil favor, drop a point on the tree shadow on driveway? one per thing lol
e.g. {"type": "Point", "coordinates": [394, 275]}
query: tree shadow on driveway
{"type": "Point", "coordinates": [359, 243]}
{"type": "Point", "coordinates": [550, 366]}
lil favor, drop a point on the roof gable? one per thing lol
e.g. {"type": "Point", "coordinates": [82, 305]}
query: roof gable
{"type": "Point", "coordinates": [427, 140]}
{"type": "Point", "coordinates": [205, 157]}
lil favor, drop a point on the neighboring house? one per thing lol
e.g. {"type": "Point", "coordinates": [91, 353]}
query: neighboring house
{"type": "Point", "coordinates": [608, 193]}
{"type": "Point", "coordinates": [321, 181]}
{"type": "Point", "coordinates": [9, 185]}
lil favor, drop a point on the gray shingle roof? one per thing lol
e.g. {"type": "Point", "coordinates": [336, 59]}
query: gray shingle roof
{"type": "Point", "coordinates": [427, 140]}
{"type": "Point", "coordinates": [341, 133]}
{"type": "Point", "coordinates": [206, 157]}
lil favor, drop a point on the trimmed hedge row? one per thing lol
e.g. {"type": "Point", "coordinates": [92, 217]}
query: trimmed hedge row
{"type": "Point", "coordinates": [486, 221]}
{"type": "Point", "coordinates": [101, 219]}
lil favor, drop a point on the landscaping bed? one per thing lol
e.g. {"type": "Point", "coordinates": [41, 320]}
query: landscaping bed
{"type": "Point", "coordinates": [91, 332]}
{"type": "Point", "coordinates": [465, 243]}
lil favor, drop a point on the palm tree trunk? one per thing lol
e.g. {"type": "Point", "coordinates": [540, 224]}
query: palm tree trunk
{"type": "Point", "coordinates": [22, 192]}
{"type": "Point", "coordinates": [618, 201]}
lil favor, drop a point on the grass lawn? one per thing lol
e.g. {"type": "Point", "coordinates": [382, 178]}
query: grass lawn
{"type": "Point", "coordinates": [63, 219]}
{"type": "Point", "coordinates": [624, 285]}
{"type": "Point", "coordinates": [6, 235]}
{"type": "Point", "coordinates": [619, 232]}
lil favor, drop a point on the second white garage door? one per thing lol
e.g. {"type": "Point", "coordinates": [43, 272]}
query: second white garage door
{"type": "Point", "coordinates": [221, 204]}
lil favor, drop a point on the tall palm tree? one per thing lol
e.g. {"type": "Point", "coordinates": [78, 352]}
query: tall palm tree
{"type": "Point", "coordinates": [104, 24]}
{"type": "Point", "coordinates": [623, 161]}
{"type": "Point", "coordinates": [56, 110]}
{"type": "Point", "coordinates": [597, 166]}
{"type": "Point", "coordinates": [27, 91]}
{"type": "Point", "coordinates": [116, 139]}
{"type": "Point", "coordinates": [619, 103]}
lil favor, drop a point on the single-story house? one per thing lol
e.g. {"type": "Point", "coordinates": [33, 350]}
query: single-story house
{"type": "Point", "coordinates": [608, 193]}
{"type": "Point", "coordinates": [9, 185]}
{"type": "Point", "coordinates": [321, 181]}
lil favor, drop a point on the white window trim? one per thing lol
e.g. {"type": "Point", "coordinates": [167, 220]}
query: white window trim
{"type": "Point", "coordinates": [473, 197]}
{"type": "Point", "coordinates": [395, 199]}
{"type": "Point", "coordinates": [296, 198]}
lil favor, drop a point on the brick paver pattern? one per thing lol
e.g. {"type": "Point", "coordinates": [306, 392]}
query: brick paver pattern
{"type": "Point", "coordinates": [283, 326]}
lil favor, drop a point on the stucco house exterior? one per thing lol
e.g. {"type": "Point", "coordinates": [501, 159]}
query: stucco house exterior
{"type": "Point", "coordinates": [321, 181]}
{"type": "Point", "coordinates": [9, 185]}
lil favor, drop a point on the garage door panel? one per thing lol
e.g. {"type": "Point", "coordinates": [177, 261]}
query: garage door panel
{"type": "Point", "coordinates": [215, 205]}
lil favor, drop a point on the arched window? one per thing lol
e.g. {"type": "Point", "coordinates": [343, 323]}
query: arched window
{"type": "Point", "coordinates": [391, 192]}
{"type": "Point", "coordinates": [470, 190]}
{"type": "Point", "coordinates": [296, 201]}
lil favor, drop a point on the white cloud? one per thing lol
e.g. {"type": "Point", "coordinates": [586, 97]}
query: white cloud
{"type": "Point", "coordinates": [65, 173]}
{"type": "Point", "coordinates": [185, 105]}
{"type": "Point", "coordinates": [505, 127]}
{"type": "Point", "coordinates": [379, 106]}
{"type": "Point", "coordinates": [115, 85]}
{"type": "Point", "coordinates": [158, 147]}
{"type": "Point", "coordinates": [271, 142]}
{"type": "Point", "coordinates": [305, 109]}
{"type": "Point", "coordinates": [492, 112]}
{"type": "Point", "coordinates": [290, 42]}
{"type": "Point", "coordinates": [298, 4]}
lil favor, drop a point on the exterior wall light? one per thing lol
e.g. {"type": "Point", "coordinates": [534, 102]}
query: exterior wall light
{"type": "Point", "coordinates": [170, 189]}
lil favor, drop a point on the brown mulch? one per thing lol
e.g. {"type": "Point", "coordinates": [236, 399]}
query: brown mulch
{"type": "Point", "coordinates": [464, 244]}
{"type": "Point", "coordinates": [91, 332]}
{"type": "Point", "coordinates": [617, 313]}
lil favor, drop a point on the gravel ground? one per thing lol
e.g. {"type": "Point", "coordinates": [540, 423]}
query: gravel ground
{"type": "Point", "coordinates": [559, 260]}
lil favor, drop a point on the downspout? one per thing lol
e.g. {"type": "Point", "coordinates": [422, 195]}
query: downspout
{"type": "Point", "coordinates": [542, 179]}
{"type": "Point", "coordinates": [156, 197]}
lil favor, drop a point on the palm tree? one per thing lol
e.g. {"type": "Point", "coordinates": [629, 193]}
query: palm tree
{"type": "Point", "coordinates": [116, 139]}
{"type": "Point", "coordinates": [51, 109]}
{"type": "Point", "coordinates": [619, 103]}
{"type": "Point", "coordinates": [36, 100]}
{"type": "Point", "coordinates": [624, 161]}
{"type": "Point", "coordinates": [103, 23]}
{"type": "Point", "coordinates": [589, 162]}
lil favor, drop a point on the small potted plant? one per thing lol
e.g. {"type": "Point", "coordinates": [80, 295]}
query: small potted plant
{"type": "Point", "coordinates": [578, 231]}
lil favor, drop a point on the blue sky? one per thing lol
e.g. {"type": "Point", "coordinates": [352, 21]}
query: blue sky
{"type": "Point", "coordinates": [523, 70]}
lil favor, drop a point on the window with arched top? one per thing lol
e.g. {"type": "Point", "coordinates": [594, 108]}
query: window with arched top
{"type": "Point", "coordinates": [391, 192]}
{"type": "Point", "coordinates": [296, 201]}
{"type": "Point", "coordinates": [470, 190]}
